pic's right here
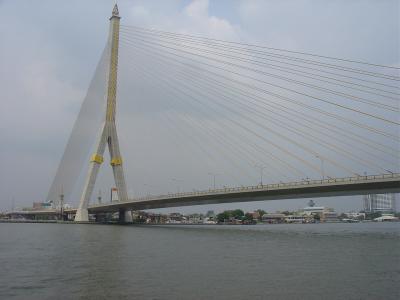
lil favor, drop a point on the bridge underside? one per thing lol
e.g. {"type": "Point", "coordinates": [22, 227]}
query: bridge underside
{"type": "Point", "coordinates": [305, 191]}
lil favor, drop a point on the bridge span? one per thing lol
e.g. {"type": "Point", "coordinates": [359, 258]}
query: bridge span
{"type": "Point", "coordinates": [361, 185]}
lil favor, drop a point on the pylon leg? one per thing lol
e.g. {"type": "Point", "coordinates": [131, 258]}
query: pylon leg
{"type": "Point", "coordinates": [116, 163]}
{"type": "Point", "coordinates": [82, 215]}
{"type": "Point", "coordinates": [97, 159]}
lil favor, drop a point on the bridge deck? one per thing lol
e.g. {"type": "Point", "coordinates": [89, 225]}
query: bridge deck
{"type": "Point", "coordinates": [373, 184]}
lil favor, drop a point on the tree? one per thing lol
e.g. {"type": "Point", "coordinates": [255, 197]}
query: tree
{"type": "Point", "coordinates": [371, 216]}
{"type": "Point", "coordinates": [223, 216]}
{"type": "Point", "coordinates": [261, 213]}
{"type": "Point", "coordinates": [248, 217]}
{"type": "Point", "coordinates": [237, 213]}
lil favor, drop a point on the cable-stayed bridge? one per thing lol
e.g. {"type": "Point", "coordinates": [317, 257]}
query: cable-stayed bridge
{"type": "Point", "coordinates": [373, 184]}
{"type": "Point", "coordinates": [312, 125]}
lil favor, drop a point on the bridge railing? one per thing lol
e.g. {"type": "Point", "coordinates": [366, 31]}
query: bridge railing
{"type": "Point", "coordinates": [272, 186]}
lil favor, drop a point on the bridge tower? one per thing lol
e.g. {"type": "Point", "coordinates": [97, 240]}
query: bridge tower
{"type": "Point", "coordinates": [108, 132]}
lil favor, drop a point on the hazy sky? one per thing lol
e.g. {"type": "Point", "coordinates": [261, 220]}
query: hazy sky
{"type": "Point", "coordinates": [49, 51]}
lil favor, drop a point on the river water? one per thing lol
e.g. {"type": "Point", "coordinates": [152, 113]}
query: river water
{"type": "Point", "coordinates": [310, 261]}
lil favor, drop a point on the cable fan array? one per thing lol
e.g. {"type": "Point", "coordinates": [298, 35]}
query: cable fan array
{"type": "Point", "coordinates": [301, 115]}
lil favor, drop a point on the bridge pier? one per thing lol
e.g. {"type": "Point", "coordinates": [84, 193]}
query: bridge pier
{"type": "Point", "coordinates": [125, 216]}
{"type": "Point", "coordinates": [82, 215]}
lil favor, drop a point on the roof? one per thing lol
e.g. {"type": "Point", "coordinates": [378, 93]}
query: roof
{"type": "Point", "coordinates": [386, 218]}
{"type": "Point", "coordinates": [314, 208]}
{"type": "Point", "coordinates": [266, 216]}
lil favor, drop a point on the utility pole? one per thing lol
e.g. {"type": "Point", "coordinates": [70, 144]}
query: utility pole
{"type": "Point", "coordinates": [62, 204]}
{"type": "Point", "coordinates": [261, 168]}
{"type": "Point", "coordinates": [147, 189]}
{"type": "Point", "coordinates": [322, 166]}
{"type": "Point", "coordinates": [214, 175]}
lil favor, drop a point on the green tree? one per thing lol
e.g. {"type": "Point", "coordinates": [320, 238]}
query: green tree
{"type": "Point", "coordinates": [248, 217]}
{"type": "Point", "coordinates": [261, 213]}
{"type": "Point", "coordinates": [371, 216]}
{"type": "Point", "coordinates": [237, 213]}
{"type": "Point", "coordinates": [223, 216]}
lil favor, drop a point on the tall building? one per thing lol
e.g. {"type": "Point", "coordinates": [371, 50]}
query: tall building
{"type": "Point", "coordinates": [379, 203]}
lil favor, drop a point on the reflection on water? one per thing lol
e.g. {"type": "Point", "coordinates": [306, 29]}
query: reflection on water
{"type": "Point", "coordinates": [314, 261]}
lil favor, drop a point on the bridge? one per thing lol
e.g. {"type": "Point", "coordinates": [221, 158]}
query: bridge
{"type": "Point", "coordinates": [286, 123]}
{"type": "Point", "coordinates": [373, 184]}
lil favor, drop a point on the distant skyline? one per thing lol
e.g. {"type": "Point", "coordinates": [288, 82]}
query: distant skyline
{"type": "Point", "coordinates": [50, 50]}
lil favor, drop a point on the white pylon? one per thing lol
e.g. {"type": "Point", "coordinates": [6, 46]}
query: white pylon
{"type": "Point", "coordinates": [108, 134]}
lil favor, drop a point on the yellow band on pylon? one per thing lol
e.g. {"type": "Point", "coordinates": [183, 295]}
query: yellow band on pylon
{"type": "Point", "coordinates": [96, 158]}
{"type": "Point", "coordinates": [116, 161]}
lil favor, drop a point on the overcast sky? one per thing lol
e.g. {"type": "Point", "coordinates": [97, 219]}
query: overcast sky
{"type": "Point", "coordinates": [49, 51]}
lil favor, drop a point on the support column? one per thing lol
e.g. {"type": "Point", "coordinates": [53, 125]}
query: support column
{"type": "Point", "coordinates": [125, 216]}
{"type": "Point", "coordinates": [128, 216]}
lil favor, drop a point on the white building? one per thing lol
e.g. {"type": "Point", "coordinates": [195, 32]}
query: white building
{"type": "Point", "coordinates": [311, 210]}
{"type": "Point", "coordinates": [379, 203]}
{"type": "Point", "coordinates": [355, 215]}
{"type": "Point", "coordinates": [386, 218]}
{"type": "Point", "coordinates": [325, 214]}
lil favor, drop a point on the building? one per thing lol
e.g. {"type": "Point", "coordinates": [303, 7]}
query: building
{"type": "Point", "coordinates": [355, 215]}
{"type": "Point", "coordinates": [42, 205]}
{"type": "Point", "coordinates": [273, 218]}
{"type": "Point", "coordinates": [329, 216]}
{"type": "Point", "coordinates": [209, 220]}
{"type": "Point", "coordinates": [297, 219]}
{"type": "Point", "coordinates": [379, 203]}
{"type": "Point", "coordinates": [386, 218]}
{"type": "Point", "coordinates": [195, 219]}
{"type": "Point", "coordinates": [175, 218]}
{"type": "Point", "coordinates": [325, 214]}
{"type": "Point", "coordinates": [312, 210]}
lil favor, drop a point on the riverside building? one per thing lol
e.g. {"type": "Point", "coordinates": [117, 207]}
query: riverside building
{"type": "Point", "coordinates": [379, 203]}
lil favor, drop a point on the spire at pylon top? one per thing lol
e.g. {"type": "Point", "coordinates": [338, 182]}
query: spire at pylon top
{"type": "Point", "coordinates": [115, 12]}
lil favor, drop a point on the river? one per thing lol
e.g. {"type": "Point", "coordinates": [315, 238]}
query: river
{"type": "Point", "coordinates": [303, 261]}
